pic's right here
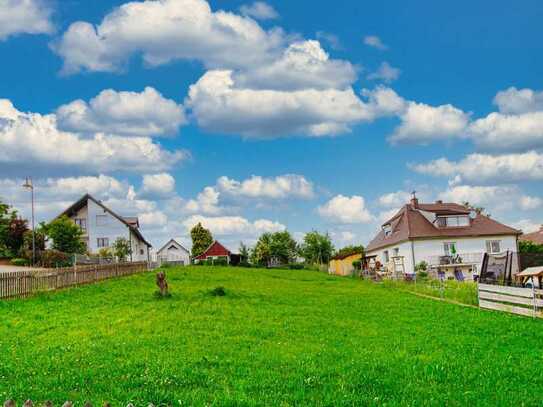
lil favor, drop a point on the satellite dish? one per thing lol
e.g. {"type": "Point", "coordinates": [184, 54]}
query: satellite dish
{"type": "Point", "coordinates": [472, 214]}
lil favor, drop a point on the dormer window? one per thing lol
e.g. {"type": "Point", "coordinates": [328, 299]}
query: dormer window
{"type": "Point", "coordinates": [387, 229]}
{"type": "Point", "coordinates": [452, 221]}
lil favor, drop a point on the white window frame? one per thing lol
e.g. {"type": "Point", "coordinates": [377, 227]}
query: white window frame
{"type": "Point", "coordinates": [82, 223]}
{"type": "Point", "coordinates": [490, 246]}
{"type": "Point", "coordinates": [102, 242]}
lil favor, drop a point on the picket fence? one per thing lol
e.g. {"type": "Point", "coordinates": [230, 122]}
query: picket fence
{"type": "Point", "coordinates": [17, 284]}
{"type": "Point", "coordinates": [515, 300]}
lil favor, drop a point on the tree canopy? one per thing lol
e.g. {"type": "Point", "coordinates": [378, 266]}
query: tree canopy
{"type": "Point", "coordinates": [317, 248]}
{"type": "Point", "coordinates": [527, 246]}
{"type": "Point", "coordinates": [201, 239]}
{"type": "Point", "coordinates": [12, 230]}
{"type": "Point", "coordinates": [280, 245]}
{"type": "Point", "coordinates": [349, 250]}
{"type": "Point", "coordinates": [121, 248]}
{"type": "Point", "coordinates": [65, 235]}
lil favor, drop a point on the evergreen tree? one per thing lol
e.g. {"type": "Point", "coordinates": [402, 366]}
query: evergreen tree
{"type": "Point", "coordinates": [201, 239]}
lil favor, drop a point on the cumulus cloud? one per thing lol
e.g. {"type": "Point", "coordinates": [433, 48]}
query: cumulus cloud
{"type": "Point", "coordinates": [233, 225]}
{"type": "Point", "coordinates": [259, 10]}
{"type": "Point", "coordinates": [206, 202]}
{"type": "Point", "coordinates": [374, 42]}
{"type": "Point", "coordinates": [220, 106]}
{"type": "Point", "coordinates": [385, 73]}
{"type": "Point", "coordinates": [35, 139]}
{"type": "Point", "coordinates": [166, 30]}
{"type": "Point", "coordinates": [161, 184]}
{"type": "Point", "coordinates": [488, 168]}
{"type": "Point", "coordinates": [303, 65]}
{"type": "Point", "coordinates": [493, 197]}
{"type": "Point", "coordinates": [346, 210]}
{"type": "Point", "coordinates": [124, 113]}
{"type": "Point", "coordinates": [422, 124]}
{"type": "Point", "coordinates": [332, 40]}
{"type": "Point", "coordinates": [395, 199]}
{"type": "Point", "coordinates": [518, 101]}
{"type": "Point", "coordinates": [280, 187]}
{"type": "Point", "coordinates": [527, 225]}
{"type": "Point", "coordinates": [25, 17]}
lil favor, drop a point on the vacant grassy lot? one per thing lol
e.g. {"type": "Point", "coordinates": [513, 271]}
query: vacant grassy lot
{"type": "Point", "coordinates": [280, 337]}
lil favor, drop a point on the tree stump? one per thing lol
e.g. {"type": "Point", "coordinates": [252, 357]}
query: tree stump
{"type": "Point", "coordinates": [162, 284]}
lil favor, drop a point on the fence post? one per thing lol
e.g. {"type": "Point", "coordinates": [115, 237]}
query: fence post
{"type": "Point", "coordinates": [534, 299]}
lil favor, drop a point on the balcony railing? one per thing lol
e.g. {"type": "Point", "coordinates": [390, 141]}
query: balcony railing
{"type": "Point", "coordinates": [459, 258]}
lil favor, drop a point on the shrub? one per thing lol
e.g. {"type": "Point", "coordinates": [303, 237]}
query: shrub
{"type": "Point", "coordinates": [296, 266]}
{"type": "Point", "coordinates": [357, 264]}
{"type": "Point", "coordinates": [220, 262]}
{"type": "Point", "coordinates": [422, 275]}
{"type": "Point", "coordinates": [244, 264]}
{"type": "Point", "coordinates": [421, 266]}
{"type": "Point", "coordinates": [218, 292]}
{"type": "Point", "coordinates": [55, 258]}
{"type": "Point", "coordinates": [19, 262]}
{"type": "Point", "coordinates": [208, 262]}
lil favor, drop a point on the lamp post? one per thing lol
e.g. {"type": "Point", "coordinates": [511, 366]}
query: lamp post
{"type": "Point", "coordinates": [28, 185]}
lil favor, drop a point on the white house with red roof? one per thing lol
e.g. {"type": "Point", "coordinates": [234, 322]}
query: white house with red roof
{"type": "Point", "coordinates": [447, 236]}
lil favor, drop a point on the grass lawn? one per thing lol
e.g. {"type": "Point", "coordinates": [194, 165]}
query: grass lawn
{"type": "Point", "coordinates": [279, 337]}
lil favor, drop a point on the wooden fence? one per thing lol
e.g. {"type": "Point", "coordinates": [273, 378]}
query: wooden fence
{"type": "Point", "coordinates": [16, 284]}
{"type": "Point", "coordinates": [516, 300]}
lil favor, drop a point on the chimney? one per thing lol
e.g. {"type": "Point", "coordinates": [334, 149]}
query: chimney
{"type": "Point", "coordinates": [439, 201]}
{"type": "Point", "coordinates": [414, 200]}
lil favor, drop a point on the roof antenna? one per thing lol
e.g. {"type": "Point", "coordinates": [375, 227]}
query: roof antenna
{"type": "Point", "coordinates": [414, 200]}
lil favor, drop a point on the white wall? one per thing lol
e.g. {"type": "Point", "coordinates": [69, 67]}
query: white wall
{"type": "Point", "coordinates": [174, 254]}
{"type": "Point", "coordinates": [424, 250]}
{"type": "Point", "coordinates": [140, 251]}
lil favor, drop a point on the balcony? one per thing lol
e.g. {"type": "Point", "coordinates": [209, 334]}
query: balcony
{"type": "Point", "coordinates": [458, 259]}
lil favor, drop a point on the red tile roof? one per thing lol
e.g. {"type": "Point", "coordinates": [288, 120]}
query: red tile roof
{"type": "Point", "coordinates": [410, 223]}
{"type": "Point", "coordinates": [215, 249]}
{"type": "Point", "coordinates": [536, 237]}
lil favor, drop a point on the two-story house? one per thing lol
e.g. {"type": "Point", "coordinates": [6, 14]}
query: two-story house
{"type": "Point", "coordinates": [101, 227]}
{"type": "Point", "coordinates": [444, 235]}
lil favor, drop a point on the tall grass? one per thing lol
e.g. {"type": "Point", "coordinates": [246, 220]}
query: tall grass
{"type": "Point", "coordinates": [463, 292]}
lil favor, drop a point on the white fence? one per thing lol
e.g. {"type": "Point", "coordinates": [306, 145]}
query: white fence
{"type": "Point", "coordinates": [515, 300]}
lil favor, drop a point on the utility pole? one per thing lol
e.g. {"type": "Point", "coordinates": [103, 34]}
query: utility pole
{"type": "Point", "coordinates": [28, 185]}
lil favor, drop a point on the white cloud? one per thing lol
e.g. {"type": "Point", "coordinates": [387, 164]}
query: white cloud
{"type": "Point", "coordinates": [385, 72]}
{"type": "Point", "coordinates": [206, 202]}
{"type": "Point", "coordinates": [526, 225]}
{"type": "Point", "coordinates": [233, 225]}
{"type": "Point", "coordinates": [346, 210]}
{"type": "Point", "coordinates": [508, 132]}
{"type": "Point", "coordinates": [388, 214]}
{"type": "Point", "coordinates": [219, 106]}
{"type": "Point", "coordinates": [123, 113]}
{"type": "Point", "coordinates": [332, 40]}
{"type": "Point", "coordinates": [153, 219]}
{"type": "Point", "coordinates": [505, 197]}
{"type": "Point", "coordinates": [421, 123]}
{"type": "Point", "coordinates": [280, 187]}
{"type": "Point", "coordinates": [160, 184]}
{"type": "Point", "coordinates": [25, 17]}
{"type": "Point", "coordinates": [518, 101]}
{"type": "Point", "coordinates": [35, 139]}
{"type": "Point", "coordinates": [484, 168]}
{"type": "Point", "coordinates": [395, 199]}
{"type": "Point", "coordinates": [166, 30]}
{"type": "Point", "coordinates": [383, 101]}
{"type": "Point", "coordinates": [259, 10]}
{"type": "Point", "coordinates": [375, 42]}
{"type": "Point", "coordinates": [303, 65]}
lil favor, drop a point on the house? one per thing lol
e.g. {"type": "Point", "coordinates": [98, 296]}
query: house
{"type": "Point", "coordinates": [342, 264]}
{"type": "Point", "coordinates": [217, 251]}
{"type": "Point", "coordinates": [535, 237]}
{"type": "Point", "coordinates": [449, 237]}
{"type": "Point", "coordinates": [173, 252]}
{"type": "Point", "coordinates": [101, 227]}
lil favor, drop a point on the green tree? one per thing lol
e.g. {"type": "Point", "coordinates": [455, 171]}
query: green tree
{"type": "Point", "coordinates": [317, 248]}
{"type": "Point", "coordinates": [201, 239]}
{"type": "Point", "coordinates": [121, 248]}
{"type": "Point", "coordinates": [261, 253]}
{"type": "Point", "coordinates": [16, 231]}
{"type": "Point", "coordinates": [527, 246]}
{"type": "Point", "coordinates": [243, 253]}
{"type": "Point", "coordinates": [4, 226]}
{"type": "Point", "coordinates": [65, 235]}
{"type": "Point", "coordinates": [348, 250]}
{"type": "Point", "coordinates": [279, 244]}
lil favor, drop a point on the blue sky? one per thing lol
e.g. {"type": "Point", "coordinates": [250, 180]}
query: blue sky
{"type": "Point", "coordinates": [256, 117]}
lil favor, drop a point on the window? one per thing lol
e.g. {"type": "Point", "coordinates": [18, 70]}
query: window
{"type": "Point", "coordinates": [452, 221]}
{"type": "Point", "coordinates": [387, 229]}
{"type": "Point", "coordinates": [396, 251]}
{"type": "Point", "coordinates": [493, 246]}
{"type": "Point", "coordinates": [141, 252]}
{"type": "Point", "coordinates": [101, 220]}
{"type": "Point", "coordinates": [449, 248]}
{"type": "Point", "coordinates": [386, 258]}
{"type": "Point", "coordinates": [102, 242]}
{"type": "Point", "coordinates": [82, 223]}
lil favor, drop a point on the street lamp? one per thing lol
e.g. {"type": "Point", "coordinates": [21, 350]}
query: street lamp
{"type": "Point", "coordinates": [28, 185]}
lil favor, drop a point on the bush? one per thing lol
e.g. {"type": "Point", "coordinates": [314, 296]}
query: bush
{"type": "Point", "coordinates": [357, 264]}
{"type": "Point", "coordinates": [220, 262]}
{"type": "Point", "coordinates": [55, 258]}
{"type": "Point", "coordinates": [19, 262]}
{"type": "Point", "coordinates": [218, 292]}
{"type": "Point", "coordinates": [422, 275]}
{"type": "Point", "coordinates": [244, 264]}
{"type": "Point", "coordinates": [296, 266]}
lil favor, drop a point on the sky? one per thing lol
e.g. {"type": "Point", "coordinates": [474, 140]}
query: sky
{"type": "Point", "coordinates": [255, 117]}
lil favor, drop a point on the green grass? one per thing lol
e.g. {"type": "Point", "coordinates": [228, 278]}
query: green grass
{"type": "Point", "coordinates": [462, 292]}
{"type": "Point", "coordinates": [278, 337]}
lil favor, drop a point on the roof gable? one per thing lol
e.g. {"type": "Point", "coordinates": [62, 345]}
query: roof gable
{"type": "Point", "coordinates": [173, 242]}
{"type": "Point", "coordinates": [214, 249]}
